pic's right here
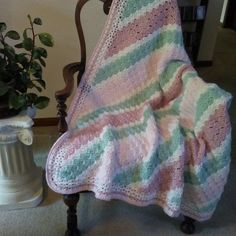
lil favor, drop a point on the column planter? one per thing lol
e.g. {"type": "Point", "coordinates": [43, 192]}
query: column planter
{"type": "Point", "coordinates": [20, 178]}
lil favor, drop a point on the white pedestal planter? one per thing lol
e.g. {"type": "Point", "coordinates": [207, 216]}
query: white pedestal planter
{"type": "Point", "coordinates": [20, 178]}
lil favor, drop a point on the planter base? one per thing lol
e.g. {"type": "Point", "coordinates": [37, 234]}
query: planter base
{"type": "Point", "coordinates": [20, 178]}
{"type": "Point", "coordinates": [32, 200]}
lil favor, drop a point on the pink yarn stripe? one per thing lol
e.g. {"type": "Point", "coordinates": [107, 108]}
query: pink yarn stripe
{"type": "Point", "coordinates": [203, 189]}
{"type": "Point", "coordinates": [195, 151]}
{"type": "Point", "coordinates": [165, 179]}
{"type": "Point", "coordinates": [143, 26]}
{"type": "Point", "coordinates": [129, 80]}
{"type": "Point", "coordinates": [163, 125]}
{"type": "Point", "coordinates": [81, 137]}
{"type": "Point", "coordinates": [145, 142]}
{"type": "Point", "coordinates": [175, 90]}
{"type": "Point", "coordinates": [216, 128]}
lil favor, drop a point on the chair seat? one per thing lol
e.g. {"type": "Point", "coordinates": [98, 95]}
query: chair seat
{"type": "Point", "coordinates": [148, 152]}
{"type": "Point", "coordinates": [142, 126]}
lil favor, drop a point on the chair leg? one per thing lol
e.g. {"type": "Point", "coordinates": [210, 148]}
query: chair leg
{"type": "Point", "coordinates": [71, 201]}
{"type": "Point", "coordinates": [187, 226]}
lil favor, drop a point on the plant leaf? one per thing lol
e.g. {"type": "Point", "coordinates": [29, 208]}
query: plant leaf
{"type": "Point", "coordinates": [24, 80]}
{"type": "Point", "coordinates": [38, 74]}
{"type": "Point", "coordinates": [39, 52]}
{"type": "Point", "coordinates": [36, 70]}
{"type": "Point", "coordinates": [12, 34]}
{"type": "Point", "coordinates": [43, 63]}
{"type": "Point", "coordinates": [28, 44]}
{"type": "Point", "coordinates": [19, 45]}
{"type": "Point", "coordinates": [3, 88]}
{"type": "Point", "coordinates": [41, 102]}
{"type": "Point", "coordinates": [36, 54]}
{"type": "Point", "coordinates": [17, 101]}
{"type": "Point", "coordinates": [42, 52]}
{"type": "Point", "coordinates": [41, 82]}
{"type": "Point", "coordinates": [37, 21]}
{"type": "Point", "coordinates": [3, 26]}
{"type": "Point", "coordinates": [37, 87]}
{"type": "Point", "coordinates": [9, 51]}
{"type": "Point", "coordinates": [22, 59]}
{"type": "Point", "coordinates": [30, 84]}
{"type": "Point", "coordinates": [32, 97]}
{"type": "Point", "coordinates": [25, 34]}
{"type": "Point", "coordinates": [46, 39]}
{"type": "Point", "coordinates": [2, 64]}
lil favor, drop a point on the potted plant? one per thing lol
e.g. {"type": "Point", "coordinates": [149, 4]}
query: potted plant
{"type": "Point", "coordinates": [21, 66]}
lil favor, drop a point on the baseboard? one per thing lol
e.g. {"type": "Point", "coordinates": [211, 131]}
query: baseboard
{"type": "Point", "coordinates": [53, 121]}
{"type": "Point", "coordinates": [203, 63]}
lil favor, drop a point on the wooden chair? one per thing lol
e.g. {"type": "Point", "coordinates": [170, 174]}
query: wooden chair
{"type": "Point", "coordinates": [187, 226]}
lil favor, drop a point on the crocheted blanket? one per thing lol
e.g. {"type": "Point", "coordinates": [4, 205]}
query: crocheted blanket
{"type": "Point", "coordinates": [143, 127]}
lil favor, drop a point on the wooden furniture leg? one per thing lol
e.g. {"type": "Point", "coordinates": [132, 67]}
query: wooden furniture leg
{"type": "Point", "coordinates": [187, 226]}
{"type": "Point", "coordinates": [71, 201]}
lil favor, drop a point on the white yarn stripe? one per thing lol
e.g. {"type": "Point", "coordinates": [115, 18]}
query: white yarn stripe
{"type": "Point", "coordinates": [219, 151]}
{"type": "Point", "coordinates": [217, 178]}
{"type": "Point", "coordinates": [139, 43]}
{"type": "Point", "coordinates": [139, 13]}
{"type": "Point", "coordinates": [176, 156]}
{"type": "Point", "coordinates": [208, 112]}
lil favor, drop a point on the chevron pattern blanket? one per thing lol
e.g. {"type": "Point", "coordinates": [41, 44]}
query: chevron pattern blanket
{"type": "Point", "coordinates": [143, 127]}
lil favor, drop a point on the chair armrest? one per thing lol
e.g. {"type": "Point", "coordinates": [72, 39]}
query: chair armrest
{"type": "Point", "coordinates": [68, 75]}
{"type": "Point", "coordinates": [62, 95]}
{"type": "Point", "coordinates": [71, 69]}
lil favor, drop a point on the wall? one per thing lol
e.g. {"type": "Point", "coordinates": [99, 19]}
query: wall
{"type": "Point", "coordinates": [58, 19]}
{"type": "Point", "coordinates": [210, 30]}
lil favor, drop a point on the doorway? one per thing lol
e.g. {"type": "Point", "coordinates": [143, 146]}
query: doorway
{"type": "Point", "coordinates": [230, 18]}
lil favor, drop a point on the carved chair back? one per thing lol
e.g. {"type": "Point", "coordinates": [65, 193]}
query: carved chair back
{"type": "Point", "coordinates": [192, 39]}
{"type": "Point", "coordinates": [72, 68]}
{"type": "Point", "coordinates": [189, 14]}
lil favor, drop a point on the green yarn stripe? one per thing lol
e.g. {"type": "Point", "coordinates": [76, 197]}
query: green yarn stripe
{"type": "Point", "coordinates": [138, 98]}
{"type": "Point", "coordinates": [134, 100]}
{"type": "Point", "coordinates": [208, 168]}
{"type": "Point", "coordinates": [134, 5]}
{"type": "Point", "coordinates": [124, 62]}
{"type": "Point", "coordinates": [176, 199]}
{"type": "Point", "coordinates": [84, 160]}
{"type": "Point", "coordinates": [145, 170]}
{"type": "Point", "coordinates": [78, 165]}
{"type": "Point", "coordinates": [205, 208]}
{"type": "Point", "coordinates": [209, 207]}
{"type": "Point", "coordinates": [188, 76]}
{"type": "Point", "coordinates": [171, 111]}
{"type": "Point", "coordinates": [169, 72]}
{"type": "Point", "coordinates": [207, 99]}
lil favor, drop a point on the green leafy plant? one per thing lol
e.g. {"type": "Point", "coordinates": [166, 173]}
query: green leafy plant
{"type": "Point", "coordinates": [21, 66]}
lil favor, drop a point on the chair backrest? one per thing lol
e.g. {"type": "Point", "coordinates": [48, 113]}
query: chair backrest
{"type": "Point", "coordinates": [189, 14]}
{"type": "Point", "coordinates": [79, 6]}
{"type": "Point", "coordinates": [72, 68]}
{"type": "Point", "coordinates": [193, 15]}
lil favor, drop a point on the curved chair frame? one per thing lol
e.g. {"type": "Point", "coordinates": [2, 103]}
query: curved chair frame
{"type": "Point", "coordinates": [72, 68]}
{"type": "Point", "coordinates": [71, 200]}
